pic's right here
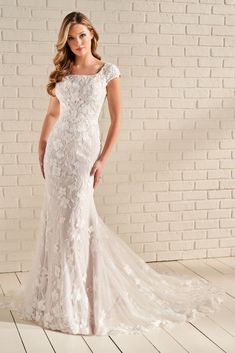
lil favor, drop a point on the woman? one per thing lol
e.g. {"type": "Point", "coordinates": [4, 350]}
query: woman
{"type": "Point", "coordinates": [84, 278]}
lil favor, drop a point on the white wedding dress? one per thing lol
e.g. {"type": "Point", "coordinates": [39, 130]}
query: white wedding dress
{"type": "Point", "coordinates": [84, 279]}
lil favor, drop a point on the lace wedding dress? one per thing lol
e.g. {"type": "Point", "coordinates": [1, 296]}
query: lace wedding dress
{"type": "Point", "coordinates": [84, 278]}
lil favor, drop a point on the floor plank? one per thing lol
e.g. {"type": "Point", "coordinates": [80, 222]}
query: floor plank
{"type": "Point", "coordinates": [9, 281]}
{"type": "Point", "coordinates": [219, 266]}
{"type": "Point", "coordinates": [134, 343]}
{"type": "Point", "coordinates": [192, 339]}
{"type": "Point", "coordinates": [66, 343]}
{"type": "Point", "coordinates": [230, 303]}
{"type": "Point", "coordinates": [22, 276]}
{"type": "Point", "coordinates": [9, 336]}
{"type": "Point", "coordinates": [101, 344]}
{"type": "Point", "coordinates": [225, 319]}
{"type": "Point", "coordinates": [216, 333]}
{"type": "Point", "coordinates": [34, 337]}
{"type": "Point", "coordinates": [164, 342]}
{"type": "Point", "coordinates": [229, 261]}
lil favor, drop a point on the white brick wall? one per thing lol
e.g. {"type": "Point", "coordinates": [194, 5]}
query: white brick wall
{"type": "Point", "coordinates": [168, 188]}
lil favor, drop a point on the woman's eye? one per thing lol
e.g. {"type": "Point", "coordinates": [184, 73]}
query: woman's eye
{"type": "Point", "coordinates": [83, 34]}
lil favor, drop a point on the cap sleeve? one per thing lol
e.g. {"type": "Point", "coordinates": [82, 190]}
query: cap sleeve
{"type": "Point", "coordinates": [112, 72]}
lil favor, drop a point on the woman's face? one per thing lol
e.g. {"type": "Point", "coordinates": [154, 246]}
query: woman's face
{"type": "Point", "coordinates": [79, 39]}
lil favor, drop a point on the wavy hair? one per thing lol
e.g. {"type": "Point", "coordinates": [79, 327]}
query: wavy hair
{"type": "Point", "coordinates": [65, 58]}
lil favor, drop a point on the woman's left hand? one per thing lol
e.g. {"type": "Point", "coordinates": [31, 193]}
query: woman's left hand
{"type": "Point", "coordinates": [96, 171]}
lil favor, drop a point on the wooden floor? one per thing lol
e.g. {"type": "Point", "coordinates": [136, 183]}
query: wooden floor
{"type": "Point", "coordinates": [211, 334]}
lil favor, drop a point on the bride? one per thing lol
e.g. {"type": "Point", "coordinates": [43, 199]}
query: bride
{"type": "Point", "coordinates": [84, 279]}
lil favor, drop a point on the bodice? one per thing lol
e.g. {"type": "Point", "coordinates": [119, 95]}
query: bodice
{"type": "Point", "coordinates": [81, 97]}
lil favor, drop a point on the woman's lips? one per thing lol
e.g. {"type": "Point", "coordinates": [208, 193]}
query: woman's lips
{"type": "Point", "coordinates": [79, 48]}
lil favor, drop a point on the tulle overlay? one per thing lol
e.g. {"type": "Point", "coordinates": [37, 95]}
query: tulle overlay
{"type": "Point", "coordinates": [84, 278]}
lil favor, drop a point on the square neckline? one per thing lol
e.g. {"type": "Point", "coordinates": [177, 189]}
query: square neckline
{"type": "Point", "coordinates": [91, 74]}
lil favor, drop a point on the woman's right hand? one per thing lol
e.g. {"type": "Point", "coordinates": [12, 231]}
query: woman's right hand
{"type": "Point", "coordinates": [41, 152]}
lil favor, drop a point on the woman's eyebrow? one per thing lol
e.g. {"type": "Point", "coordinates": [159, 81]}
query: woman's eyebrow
{"type": "Point", "coordinates": [78, 33]}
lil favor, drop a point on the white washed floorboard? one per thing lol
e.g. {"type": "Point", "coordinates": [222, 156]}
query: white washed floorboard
{"type": "Point", "coordinates": [219, 266]}
{"type": "Point", "coordinates": [134, 343]}
{"type": "Point", "coordinates": [34, 337]}
{"type": "Point", "coordinates": [22, 276]}
{"type": "Point", "coordinates": [216, 333]}
{"type": "Point", "coordinates": [193, 340]}
{"type": "Point", "coordinates": [164, 342]}
{"type": "Point", "coordinates": [229, 261]}
{"type": "Point", "coordinates": [65, 343]}
{"type": "Point", "coordinates": [10, 341]}
{"type": "Point", "coordinates": [101, 344]}
{"type": "Point", "coordinates": [226, 320]}
{"type": "Point", "coordinates": [9, 281]}
{"type": "Point", "coordinates": [230, 303]}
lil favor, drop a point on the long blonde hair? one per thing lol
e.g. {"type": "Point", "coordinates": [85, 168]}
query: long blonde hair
{"type": "Point", "coordinates": [64, 58]}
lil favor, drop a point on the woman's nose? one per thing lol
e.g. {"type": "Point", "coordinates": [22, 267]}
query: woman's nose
{"type": "Point", "coordinates": [78, 40]}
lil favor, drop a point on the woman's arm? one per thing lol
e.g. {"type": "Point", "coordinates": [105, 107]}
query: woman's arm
{"type": "Point", "coordinates": [115, 107]}
{"type": "Point", "coordinates": [49, 121]}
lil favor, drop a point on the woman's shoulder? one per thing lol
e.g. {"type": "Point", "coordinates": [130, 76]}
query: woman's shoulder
{"type": "Point", "coordinates": [110, 66]}
{"type": "Point", "coordinates": [111, 71]}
